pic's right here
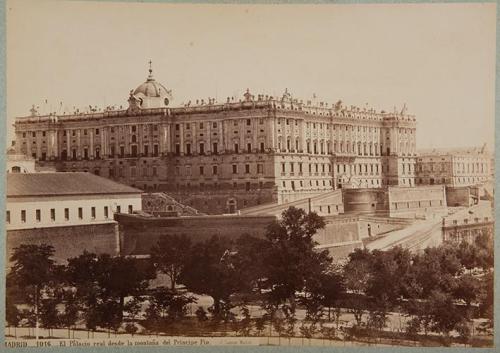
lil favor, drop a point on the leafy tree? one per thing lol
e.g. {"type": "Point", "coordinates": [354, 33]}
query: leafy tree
{"type": "Point", "coordinates": [34, 271]}
{"type": "Point", "coordinates": [209, 270]}
{"type": "Point", "coordinates": [102, 282]}
{"type": "Point", "coordinates": [389, 269]}
{"type": "Point", "coordinates": [330, 291]}
{"type": "Point", "coordinates": [437, 269]}
{"type": "Point", "coordinates": [248, 261]}
{"type": "Point", "coordinates": [69, 317]}
{"type": "Point", "coordinates": [49, 315]}
{"type": "Point", "coordinates": [12, 314]}
{"type": "Point", "coordinates": [445, 315]}
{"type": "Point", "coordinates": [291, 263]}
{"type": "Point", "coordinates": [468, 289]}
{"type": "Point", "coordinates": [245, 324]}
{"type": "Point", "coordinates": [169, 304]}
{"type": "Point", "coordinates": [357, 271]}
{"type": "Point", "coordinates": [169, 256]}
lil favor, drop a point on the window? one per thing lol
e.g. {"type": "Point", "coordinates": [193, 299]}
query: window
{"type": "Point", "coordinates": [235, 169]}
{"type": "Point", "coordinates": [146, 150]}
{"type": "Point", "coordinates": [249, 147]}
{"type": "Point", "coordinates": [66, 214]}
{"type": "Point", "coordinates": [214, 147]}
{"type": "Point", "coordinates": [85, 153]}
{"type": "Point", "coordinates": [106, 212]}
{"type": "Point", "coordinates": [7, 217]}
{"type": "Point", "coordinates": [92, 212]}
{"type": "Point", "coordinates": [214, 170]}
{"type": "Point", "coordinates": [23, 216]}
{"type": "Point", "coordinates": [201, 170]}
{"type": "Point", "coordinates": [80, 213]}
{"type": "Point", "coordinates": [118, 209]}
{"type": "Point", "coordinates": [122, 151]}
{"type": "Point", "coordinates": [177, 126]}
{"type": "Point", "coordinates": [247, 168]}
{"type": "Point", "coordinates": [214, 125]}
{"type": "Point", "coordinates": [177, 149]}
{"type": "Point", "coordinates": [53, 214]}
{"type": "Point", "coordinates": [202, 148]}
{"type": "Point", "coordinates": [38, 215]}
{"type": "Point", "coordinates": [130, 209]}
{"type": "Point", "coordinates": [260, 168]}
{"type": "Point", "coordinates": [97, 131]}
{"type": "Point", "coordinates": [155, 150]}
{"type": "Point", "coordinates": [236, 148]}
{"type": "Point", "coordinates": [247, 186]}
{"type": "Point", "coordinates": [262, 147]}
{"type": "Point", "coordinates": [249, 122]}
{"type": "Point", "coordinates": [201, 126]}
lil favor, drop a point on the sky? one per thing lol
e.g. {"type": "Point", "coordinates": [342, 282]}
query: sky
{"type": "Point", "coordinates": [438, 59]}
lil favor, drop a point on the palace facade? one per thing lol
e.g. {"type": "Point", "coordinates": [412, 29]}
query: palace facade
{"type": "Point", "coordinates": [220, 157]}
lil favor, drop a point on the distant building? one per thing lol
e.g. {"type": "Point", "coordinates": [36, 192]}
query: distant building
{"type": "Point", "coordinates": [19, 163]}
{"type": "Point", "coordinates": [453, 167]}
{"type": "Point", "coordinates": [222, 157]}
{"type": "Point", "coordinates": [71, 211]}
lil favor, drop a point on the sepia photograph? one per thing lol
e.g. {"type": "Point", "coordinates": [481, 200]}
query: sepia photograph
{"type": "Point", "coordinates": [193, 174]}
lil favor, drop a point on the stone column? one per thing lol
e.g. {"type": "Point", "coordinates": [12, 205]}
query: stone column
{"type": "Point", "coordinates": [69, 152]}
{"type": "Point", "coordinates": [91, 147]}
{"type": "Point", "coordinates": [181, 134]}
{"type": "Point", "coordinates": [78, 143]}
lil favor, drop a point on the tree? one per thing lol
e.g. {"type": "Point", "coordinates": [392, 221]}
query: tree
{"type": "Point", "coordinates": [209, 270]}
{"type": "Point", "coordinates": [389, 270]}
{"type": "Point", "coordinates": [445, 315]}
{"type": "Point", "coordinates": [468, 289]}
{"type": "Point", "coordinates": [291, 262]}
{"type": "Point", "coordinates": [102, 282]}
{"type": "Point", "coordinates": [169, 256]}
{"type": "Point", "coordinates": [357, 271]}
{"type": "Point", "coordinates": [331, 290]}
{"type": "Point", "coordinates": [48, 313]}
{"type": "Point", "coordinates": [69, 317]}
{"type": "Point", "coordinates": [33, 269]}
{"type": "Point", "coordinates": [248, 261]}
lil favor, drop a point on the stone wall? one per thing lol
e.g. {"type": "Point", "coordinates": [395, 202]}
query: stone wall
{"type": "Point", "coordinates": [325, 204]}
{"type": "Point", "coordinates": [372, 226]}
{"type": "Point", "coordinates": [365, 201]}
{"type": "Point", "coordinates": [68, 241]}
{"type": "Point", "coordinates": [139, 233]}
{"type": "Point", "coordinates": [416, 201]}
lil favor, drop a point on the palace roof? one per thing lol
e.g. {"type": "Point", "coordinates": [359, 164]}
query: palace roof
{"type": "Point", "coordinates": [63, 184]}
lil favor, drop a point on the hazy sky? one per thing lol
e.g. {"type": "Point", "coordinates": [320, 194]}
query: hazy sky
{"type": "Point", "coordinates": [439, 59]}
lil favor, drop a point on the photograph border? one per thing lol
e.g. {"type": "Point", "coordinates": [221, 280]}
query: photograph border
{"type": "Point", "coordinates": [252, 349]}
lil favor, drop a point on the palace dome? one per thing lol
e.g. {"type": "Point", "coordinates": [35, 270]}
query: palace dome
{"type": "Point", "coordinates": [150, 94]}
{"type": "Point", "coordinates": [151, 88]}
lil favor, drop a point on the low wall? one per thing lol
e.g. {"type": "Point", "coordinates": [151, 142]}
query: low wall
{"type": "Point", "coordinates": [68, 241]}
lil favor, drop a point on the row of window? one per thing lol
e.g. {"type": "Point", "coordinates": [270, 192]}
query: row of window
{"type": "Point", "coordinates": [301, 183]}
{"type": "Point", "coordinates": [80, 212]}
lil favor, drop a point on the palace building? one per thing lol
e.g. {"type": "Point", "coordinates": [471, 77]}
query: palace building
{"type": "Point", "coordinates": [221, 157]}
{"type": "Point", "coordinates": [454, 166]}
